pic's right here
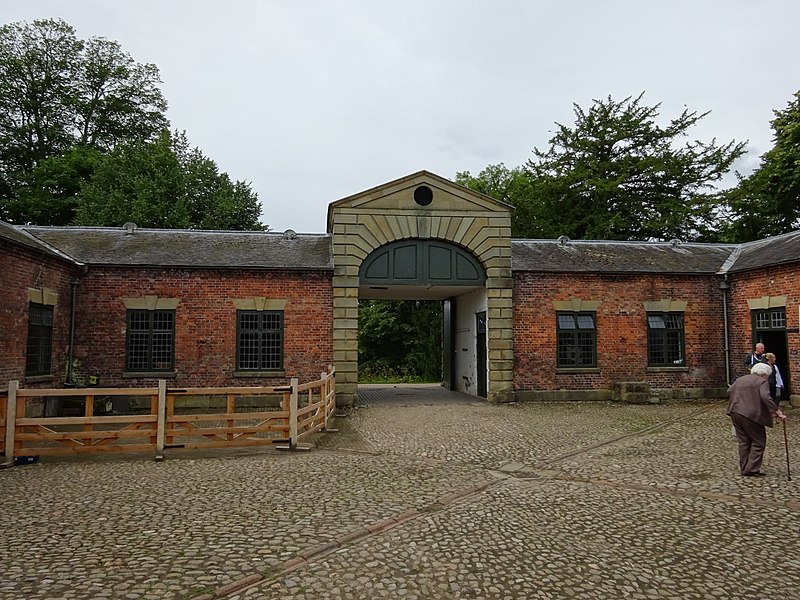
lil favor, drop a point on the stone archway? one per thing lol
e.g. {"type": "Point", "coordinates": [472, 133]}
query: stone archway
{"type": "Point", "coordinates": [422, 208]}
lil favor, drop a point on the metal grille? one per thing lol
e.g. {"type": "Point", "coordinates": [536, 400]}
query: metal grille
{"type": "Point", "coordinates": [40, 340]}
{"type": "Point", "coordinates": [577, 340]}
{"type": "Point", "coordinates": [151, 335]}
{"type": "Point", "coordinates": [260, 343]}
{"type": "Point", "coordinates": [665, 339]}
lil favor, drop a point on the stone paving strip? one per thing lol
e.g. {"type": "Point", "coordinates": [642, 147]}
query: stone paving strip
{"type": "Point", "coordinates": [573, 500]}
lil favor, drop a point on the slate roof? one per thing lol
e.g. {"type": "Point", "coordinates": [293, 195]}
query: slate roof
{"type": "Point", "coordinates": [302, 251]}
{"type": "Point", "coordinates": [569, 256]}
{"type": "Point", "coordinates": [189, 248]}
{"type": "Point", "coordinates": [768, 252]}
{"type": "Point", "coordinates": [19, 236]}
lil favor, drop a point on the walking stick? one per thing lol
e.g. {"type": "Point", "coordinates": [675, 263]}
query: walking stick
{"type": "Point", "coordinates": [786, 445]}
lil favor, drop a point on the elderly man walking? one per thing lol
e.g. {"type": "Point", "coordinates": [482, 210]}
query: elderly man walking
{"type": "Point", "coordinates": [751, 410]}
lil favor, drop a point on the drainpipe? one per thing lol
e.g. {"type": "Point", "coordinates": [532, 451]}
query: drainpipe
{"type": "Point", "coordinates": [724, 286]}
{"type": "Point", "coordinates": [73, 295]}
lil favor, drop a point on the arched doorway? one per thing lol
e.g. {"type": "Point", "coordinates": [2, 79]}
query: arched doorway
{"type": "Point", "coordinates": [426, 236]}
{"type": "Point", "coordinates": [417, 269]}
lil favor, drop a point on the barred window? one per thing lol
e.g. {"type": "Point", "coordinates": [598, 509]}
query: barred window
{"type": "Point", "coordinates": [665, 337]}
{"type": "Point", "coordinates": [150, 344]}
{"type": "Point", "coordinates": [259, 340]}
{"type": "Point", "coordinates": [576, 339]}
{"type": "Point", "coordinates": [40, 340]}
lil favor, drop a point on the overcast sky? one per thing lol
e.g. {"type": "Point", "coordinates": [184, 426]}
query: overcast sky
{"type": "Point", "coordinates": [311, 101]}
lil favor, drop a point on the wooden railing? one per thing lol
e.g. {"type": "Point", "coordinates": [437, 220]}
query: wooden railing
{"type": "Point", "coordinates": [168, 419]}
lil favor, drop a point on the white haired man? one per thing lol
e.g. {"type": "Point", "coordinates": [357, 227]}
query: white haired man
{"type": "Point", "coordinates": [751, 410]}
{"type": "Point", "coordinates": [756, 356]}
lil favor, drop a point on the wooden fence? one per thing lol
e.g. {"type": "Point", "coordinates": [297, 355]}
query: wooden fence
{"type": "Point", "coordinates": [165, 418]}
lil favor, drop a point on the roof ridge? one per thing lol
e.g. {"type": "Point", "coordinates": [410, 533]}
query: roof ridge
{"type": "Point", "coordinates": [139, 230]}
{"type": "Point", "coordinates": [625, 242]}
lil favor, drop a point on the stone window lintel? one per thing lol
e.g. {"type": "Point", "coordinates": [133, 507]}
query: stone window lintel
{"type": "Point", "coordinates": [576, 305]}
{"type": "Point", "coordinates": [260, 303]}
{"type": "Point", "coordinates": [44, 296]}
{"type": "Point", "coordinates": [151, 303]}
{"type": "Point", "coordinates": [665, 305]}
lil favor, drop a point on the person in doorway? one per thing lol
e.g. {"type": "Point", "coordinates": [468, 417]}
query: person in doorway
{"type": "Point", "coordinates": [751, 410]}
{"type": "Point", "coordinates": [775, 380]}
{"type": "Point", "coordinates": [756, 356]}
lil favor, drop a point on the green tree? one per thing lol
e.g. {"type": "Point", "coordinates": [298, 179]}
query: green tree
{"type": "Point", "coordinates": [768, 201]}
{"type": "Point", "coordinates": [59, 94]}
{"type": "Point", "coordinates": [48, 193]}
{"type": "Point", "coordinates": [514, 187]}
{"type": "Point", "coordinates": [618, 175]}
{"type": "Point", "coordinates": [165, 183]}
{"type": "Point", "coordinates": [400, 340]}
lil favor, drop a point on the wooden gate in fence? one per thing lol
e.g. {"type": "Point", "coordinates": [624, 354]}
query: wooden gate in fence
{"type": "Point", "coordinates": [164, 418]}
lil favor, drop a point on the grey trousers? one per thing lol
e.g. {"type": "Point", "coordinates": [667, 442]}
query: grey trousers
{"type": "Point", "coordinates": [752, 439]}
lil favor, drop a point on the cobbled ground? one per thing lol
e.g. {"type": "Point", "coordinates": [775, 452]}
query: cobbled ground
{"type": "Point", "coordinates": [421, 494]}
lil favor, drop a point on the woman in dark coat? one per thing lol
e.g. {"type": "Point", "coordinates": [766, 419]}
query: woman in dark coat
{"type": "Point", "coordinates": [751, 409]}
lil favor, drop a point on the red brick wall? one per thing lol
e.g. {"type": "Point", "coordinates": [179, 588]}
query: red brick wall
{"type": "Point", "coordinates": [205, 322]}
{"type": "Point", "coordinates": [621, 330]}
{"type": "Point", "coordinates": [23, 269]}
{"type": "Point", "coordinates": [775, 281]}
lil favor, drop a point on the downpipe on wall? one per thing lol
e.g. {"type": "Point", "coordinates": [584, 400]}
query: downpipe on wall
{"type": "Point", "coordinates": [70, 350]}
{"type": "Point", "coordinates": [724, 286]}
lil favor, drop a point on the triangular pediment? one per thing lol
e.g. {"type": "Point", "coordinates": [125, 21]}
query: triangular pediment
{"type": "Point", "coordinates": [421, 192]}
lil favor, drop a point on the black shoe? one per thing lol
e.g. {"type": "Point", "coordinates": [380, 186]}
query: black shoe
{"type": "Point", "coordinates": [754, 474]}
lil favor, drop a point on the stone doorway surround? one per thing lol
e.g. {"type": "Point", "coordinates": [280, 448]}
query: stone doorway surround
{"type": "Point", "coordinates": [427, 207]}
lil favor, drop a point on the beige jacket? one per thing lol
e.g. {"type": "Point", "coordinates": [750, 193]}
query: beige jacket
{"type": "Point", "coordinates": [749, 397]}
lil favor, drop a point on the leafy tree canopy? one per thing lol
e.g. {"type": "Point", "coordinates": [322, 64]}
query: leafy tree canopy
{"type": "Point", "coordinates": [768, 201]}
{"type": "Point", "coordinates": [84, 140]}
{"type": "Point", "coordinates": [512, 186]}
{"type": "Point", "coordinates": [59, 94]}
{"type": "Point", "coordinates": [400, 340]}
{"type": "Point", "coordinates": [165, 183]}
{"type": "Point", "coordinates": [617, 174]}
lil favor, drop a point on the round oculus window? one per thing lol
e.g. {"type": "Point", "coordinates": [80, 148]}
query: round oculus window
{"type": "Point", "coordinates": [423, 195]}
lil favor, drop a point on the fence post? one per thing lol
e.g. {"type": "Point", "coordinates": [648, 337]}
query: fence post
{"type": "Point", "coordinates": [332, 384]}
{"type": "Point", "coordinates": [293, 415]}
{"type": "Point", "coordinates": [162, 418]}
{"type": "Point", "coordinates": [324, 392]}
{"type": "Point", "coordinates": [11, 421]}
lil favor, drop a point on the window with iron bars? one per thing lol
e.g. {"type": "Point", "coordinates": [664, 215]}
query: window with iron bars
{"type": "Point", "coordinates": [576, 339]}
{"type": "Point", "coordinates": [665, 340]}
{"type": "Point", "coordinates": [150, 344]}
{"type": "Point", "coordinates": [40, 340]}
{"type": "Point", "coordinates": [259, 340]}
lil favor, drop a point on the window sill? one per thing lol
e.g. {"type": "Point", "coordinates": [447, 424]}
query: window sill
{"type": "Point", "coordinates": [156, 374]}
{"type": "Point", "coordinates": [38, 378]}
{"type": "Point", "coordinates": [278, 373]}
{"type": "Point", "coordinates": [666, 369]}
{"type": "Point", "coordinates": [576, 370]}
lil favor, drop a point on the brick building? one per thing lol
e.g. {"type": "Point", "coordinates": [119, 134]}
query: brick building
{"type": "Point", "coordinates": [524, 319]}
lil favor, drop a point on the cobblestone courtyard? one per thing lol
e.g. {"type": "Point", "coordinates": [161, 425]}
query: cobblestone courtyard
{"type": "Point", "coordinates": [430, 495]}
